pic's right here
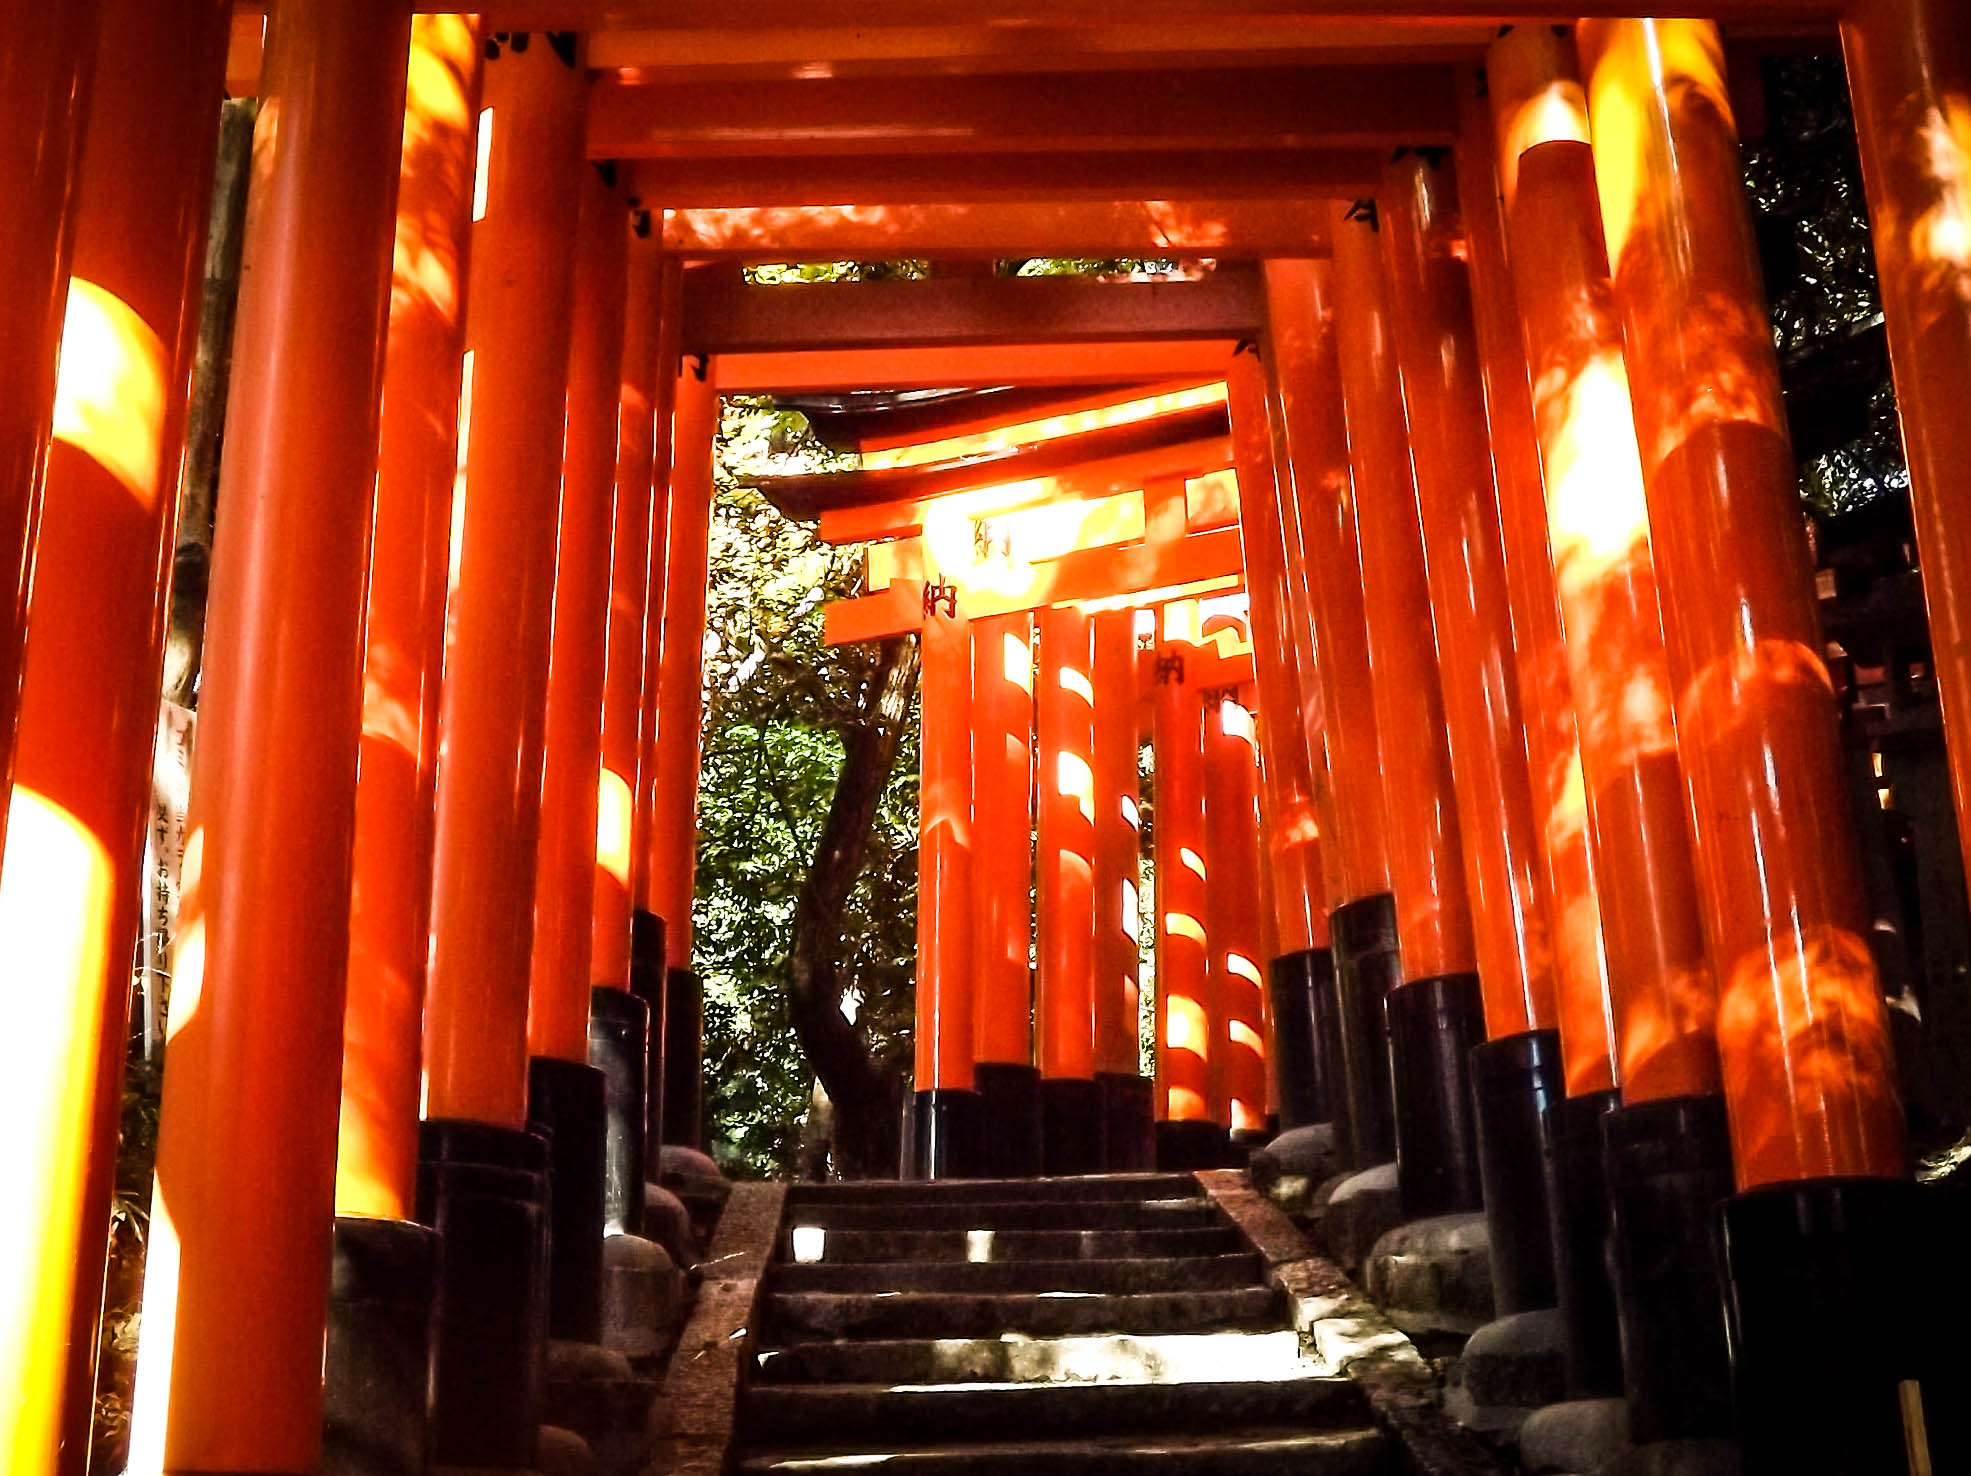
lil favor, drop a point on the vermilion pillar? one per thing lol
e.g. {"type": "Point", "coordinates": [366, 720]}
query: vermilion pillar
{"type": "Point", "coordinates": [1300, 969]}
{"type": "Point", "coordinates": [1064, 1005]}
{"type": "Point", "coordinates": [1002, 896]}
{"type": "Point", "coordinates": [1232, 913]}
{"type": "Point", "coordinates": [1186, 1135]}
{"type": "Point", "coordinates": [947, 1103]}
{"type": "Point", "coordinates": [629, 591]}
{"type": "Point", "coordinates": [1802, 1032]}
{"type": "Point", "coordinates": [679, 735]}
{"type": "Point", "coordinates": [564, 889]}
{"type": "Point", "coordinates": [88, 701]}
{"type": "Point", "coordinates": [492, 715]}
{"type": "Point", "coordinates": [404, 628]}
{"type": "Point", "coordinates": [1128, 1122]}
{"type": "Point", "coordinates": [44, 96]}
{"type": "Point", "coordinates": [1432, 910]}
{"type": "Point", "coordinates": [231, 1371]}
{"type": "Point", "coordinates": [1909, 69]}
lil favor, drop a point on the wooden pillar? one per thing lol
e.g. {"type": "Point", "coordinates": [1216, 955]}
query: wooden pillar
{"type": "Point", "coordinates": [1909, 69]}
{"type": "Point", "coordinates": [88, 695]}
{"type": "Point", "coordinates": [237, 1281]}
{"type": "Point", "coordinates": [1186, 1135]}
{"type": "Point", "coordinates": [404, 627]}
{"type": "Point", "coordinates": [679, 735]}
{"type": "Point", "coordinates": [1128, 1125]}
{"type": "Point", "coordinates": [947, 1104]}
{"type": "Point", "coordinates": [564, 889]}
{"type": "Point", "coordinates": [1002, 897]}
{"type": "Point", "coordinates": [494, 703]}
{"type": "Point", "coordinates": [1064, 1007]}
{"type": "Point", "coordinates": [1232, 924]}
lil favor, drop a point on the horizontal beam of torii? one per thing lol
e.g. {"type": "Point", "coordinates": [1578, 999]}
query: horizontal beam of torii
{"type": "Point", "coordinates": [1410, 18]}
{"type": "Point", "coordinates": [1246, 229]}
{"type": "Point", "coordinates": [1028, 363]}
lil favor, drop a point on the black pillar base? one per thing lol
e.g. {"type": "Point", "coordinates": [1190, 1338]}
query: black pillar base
{"type": "Point", "coordinates": [1433, 1025]}
{"type": "Point", "coordinates": [1668, 1167]}
{"type": "Point", "coordinates": [647, 944]}
{"type": "Point", "coordinates": [1070, 1126]}
{"type": "Point", "coordinates": [1184, 1147]}
{"type": "Point", "coordinates": [376, 1375]}
{"type": "Point", "coordinates": [1366, 969]}
{"type": "Point", "coordinates": [1129, 1126]}
{"type": "Point", "coordinates": [1306, 1035]}
{"type": "Point", "coordinates": [619, 1047]}
{"type": "Point", "coordinates": [567, 1104]}
{"type": "Point", "coordinates": [1516, 1080]}
{"type": "Point", "coordinates": [1580, 1209]}
{"type": "Point", "coordinates": [484, 1190]}
{"type": "Point", "coordinates": [1009, 1120]}
{"type": "Point", "coordinates": [684, 1059]}
{"type": "Point", "coordinates": [1836, 1357]}
{"type": "Point", "coordinates": [949, 1141]}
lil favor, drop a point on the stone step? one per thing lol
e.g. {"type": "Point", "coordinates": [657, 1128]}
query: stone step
{"type": "Point", "coordinates": [1108, 1276]}
{"type": "Point", "coordinates": [984, 1315]}
{"type": "Point", "coordinates": [1257, 1452]}
{"type": "Point", "coordinates": [796, 1412]}
{"type": "Point", "coordinates": [863, 1246]}
{"type": "Point", "coordinates": [1078, 1190]}
{"type": "Point", "coordinates": [1219, 1356]}
{"type": "Point", "coordinates": [1010, 1214]}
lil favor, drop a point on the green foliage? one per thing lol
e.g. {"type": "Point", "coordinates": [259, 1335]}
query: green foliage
{"type": "Point", "coordinates": [773, 274]}
{"type": "Point", "coordinates": [1083, 266]}
{"type": "Point", "coordinates": [777, 700]}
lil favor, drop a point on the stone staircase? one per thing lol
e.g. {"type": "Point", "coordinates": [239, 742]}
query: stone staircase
{"type": "Point", "coordinates": [1113, 1324]}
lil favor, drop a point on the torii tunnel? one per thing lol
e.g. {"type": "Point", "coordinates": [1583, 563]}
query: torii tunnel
{"type": "Point", "coordinates": [1403, 613]}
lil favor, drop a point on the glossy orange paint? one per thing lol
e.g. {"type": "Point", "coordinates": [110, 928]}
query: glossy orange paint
{"type": "Point", "coordinates": [629, 590]}
{"type": "Point", "coordinates": [1118, 872]}
{"type": "Point", "coordinates": [88, 701]}
{"type": "Point", "coordinates": [564, 882]}
{"type": "Point", "coordinates": [1232, 911]}
{"type": "Point", "coordinates": [1184, 1013]}
{"type": "Point", "coordinates": [1324, 573]}
{"type": "Point", "coordinates": [680, 694]}
{"type": "Point", "coordinates": [45, 72]}
{"type": "Point", "coordinates": [1909, 69]}
{"type": "Point", "coordinates": [492, 715]}
{"type": "Point", "coordinates": [945, 951]}
{"type": "Point", "coordinates": [1002, 838]}
{"type": "Point", "coordinates": [229, 1378]}
{"type": "Point", "coordinates": [404, 627]}
{"type": "Point", "coordinates": [1292, 829]}
{"type": "Point", "coordinates": [1553, 755]}
{"type": "Point", "coordinates": [1426, 871]}
{"type": "Point", "coordinates": [1437, 351]}
{"type": "Point", "coordinates": [1802, 1030]}
{"type": "Point", "coordinates": [1664, 996]}
{"type": "Point", "coordinates": [1064, 804]}
{"type": "Point", "coordinates": [643, 839]}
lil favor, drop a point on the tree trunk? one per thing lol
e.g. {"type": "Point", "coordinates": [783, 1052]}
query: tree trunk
{"type": "Point", "coordinates": [866, 1096]}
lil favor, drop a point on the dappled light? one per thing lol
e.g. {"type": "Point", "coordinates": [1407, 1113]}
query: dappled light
{"type": "Point", "coordinates": [109, 398]}
{"type": "Point", "coordinates": [1126, 412]}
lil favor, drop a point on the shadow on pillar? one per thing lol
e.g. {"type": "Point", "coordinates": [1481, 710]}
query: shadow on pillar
{"type": "Point", "coordinates": [1836, 1366]}
{"type": "Point", "coordinates": [1433, 1026]}
{"type": "Point", "coordinates": [1668, 1167]}
{"type": "Point", "coordinates": [949, 1140]}
{"type": "Point", "coordinates": [1070, 1126]}
{"type": "Point", "coordinates": [1365, 964]}
{"type": "Point", "coordinates": [619, 1047]}
{"type": "Point", "coordinates": [1009, 1120]}
{"type": "Point", "coordinates": [684, 1059]}
{"type": "Point", "coordinates": [1129, 1124]}
{"type": "Point", "coordinates": [484, 1189]}
{"type": "Point", "coordinates": [1578, 1198]}
{"type": "Point", "coordinates": [1306, 1036]}
{"type": "Point", "coordinates": [566, 1104]}
{"type": "Point", "coordinates": [376, 1372]}
{"type": "Point", "coordinates": [1516, 1081]}
{"type": "Point", "coordinates": [647, 982]}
